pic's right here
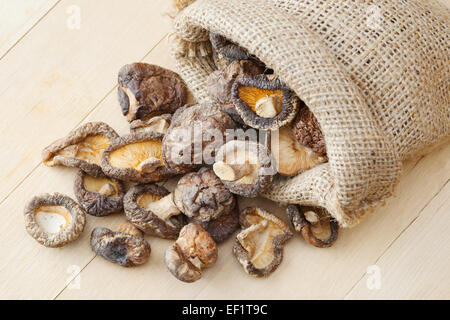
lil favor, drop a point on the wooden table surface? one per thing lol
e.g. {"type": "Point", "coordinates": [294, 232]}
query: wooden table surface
{"type": "Point", "coordinates": [56, 74]}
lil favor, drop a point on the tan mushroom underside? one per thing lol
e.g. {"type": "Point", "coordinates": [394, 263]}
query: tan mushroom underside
{"type": "Point", "coordinates": [89, 150]}
{"type": "Point", "coordinates": [251, 96]}
{"type": "Point", "coordinates": [52, 219]}
{"type": "Point", "coordinates": [137, 155]}
{"type": "Point", "coordinates": [101, 185]}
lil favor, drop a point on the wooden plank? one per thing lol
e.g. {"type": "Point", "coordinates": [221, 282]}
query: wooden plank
{"type": "Point", "coordinates": [56, 74]}
{"type": "Point", "coordinates": [18, 17]}
{"type": "Point", "coordinates": [416, 266]}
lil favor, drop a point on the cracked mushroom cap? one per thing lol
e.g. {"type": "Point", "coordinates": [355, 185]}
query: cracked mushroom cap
{"type": "Point", "coordinates": [194, 135]}
{"type": "Point", "coordinates": [307, 132]}
{"type": "Point", "coordinates": [193, 251]}
{"type": "Point", "coordinates": [315, 224]}
{"type": "Point", "coordinates": [291, 157]}
{"type": "Point", "coordinates": [146, 90]}
{"type": "Point", "coordinates": [264, 103]}
{"type": "Point", "coordinates": [202, 197]}
{"type": "Point", "coordinates": [224, 226]}
{"type": "Point", "coordinates": [136, 157]}
{"type": "Point", "coordinates": [99, 196]}
{"type": "Point", "coordinates": [158, 123]}
{"type": "Point", "coordinates": [121, 248]}
{"type": "Point", "coordinates": [82, 148]}
{"type": "Point", "coordinates": [150, 208]}
{"type": "Point", "coordinates": [245, 167]}
{"type": "Point", "coordinates": [54, 220]}
{"type": "Point", "coordinates": [259, 246]}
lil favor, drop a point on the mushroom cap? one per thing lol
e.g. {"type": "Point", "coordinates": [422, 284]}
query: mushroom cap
{"type": "Point", "coordinates": [224, 226]}
{"type": "Point", "coordinates": [144, 219]}
{"type": "Point", "coordinates": [155, 90]}
{"type": "Point", "coordinates": [265, 235]}
{"type": "Point", "coordinates": [307, 132]}
{"type": "Point", "coordinates": [244, 186]}
{"type": "Point", "coordinates": [96, 203]}
{"type": "Point", "coordinates": [298, 219]}
{"type": "Point", "coordinates": [202, 196]}
{"type": "Point", "coordinates": [75, 220]}
{"type": "Point", "coordinates": [122, 158]}
{"type": "Point", "coordinates": [123, 249]}
{"type": "Point", "coordinates": [205, 126]}
{"type": "Point", "coordinates": [263, 87]}
{"type": "Point", "coordinates": [70, 151]}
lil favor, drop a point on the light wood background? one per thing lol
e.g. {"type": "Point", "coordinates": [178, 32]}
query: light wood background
{"type": "Point", "coordinates": [54, 77]}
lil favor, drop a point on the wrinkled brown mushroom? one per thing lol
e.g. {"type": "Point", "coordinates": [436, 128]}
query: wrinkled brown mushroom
{"type": "Point", "coordinates": [307, 131]}
{"type": "Point", "coordinates": [259, 246]}
{"type": "Point", "coordinates": [317, 227]}
{"type": "Point", "coordinates": [203, 198]}
{"type": "Point", "coordinates": [245, 167]}
{"type": "Point", "coordinates": [136, 157]}
{"type": "Point", "coordinates": [146, 90]}
{"type": "Point", "coordinates": [121, 248]}
{"type": "Point", "coordinates": [150, 208]}
{"type": "Point", "coordinates": [193, 251]}
{"type": "Point", "coordinates": [54, 220]}
{"type": "Point", "coordinates": [227, 49]}
{"type": "Point", "coordinates": [263, 102]}
{"type": "Point", "coordinates": [158, 123]}
{"type": "Point", "coordinates": [98, 196]}
{"type": "Point", "coordinates": [82, 148]}
{"type": "Point", "coordinates": [194, 136]}
{"type": "Point", "coordinates": [291, 157]}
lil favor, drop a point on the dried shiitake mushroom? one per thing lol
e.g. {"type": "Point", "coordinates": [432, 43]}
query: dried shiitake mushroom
{"type": "Point", "coordinates": [124, 249]}
{"type": "Point", "coordinates": [136, 157]}
{"type": "Point", "coordinates": [194, 135]}
{"type": "Point", "coordinates": [291, 157]}
{"type": "Point", "coordinates": [99, 196]}
{"type": "Point", "coordinates": [245, 167]}
{"type": "Point", "coordinates": [82, 148]}
{"type": "Point", "coordinates": [307, 131]}
{"type": "Point", "coordinates": [158, 123]}
{"type": "Point", "coordinates": [151, 208]}
{"type": "Point", "coordinates": [193, 251]}
{"type": "Point", "coordinates": [259, 246]}
{"type": "Point", "coordinates": [315, 224]}
{"type": "Point", "coordinates": [54, 220]}
{"type": "Point", "coordinates": [146, 90]}
{"type": "Point", "coordinates": [202, 197]}
{"type": "Point", "coordinates": [264, 103]}
{"type": "Point", "coordinates": [227, 49]}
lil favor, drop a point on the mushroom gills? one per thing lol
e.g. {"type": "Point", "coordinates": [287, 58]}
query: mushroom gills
{"type": "Point", "coordinates": [144, 156]}
{"type": "Point", "coordinates": [320, 227]}
{"type": "Point", "coordinates": [53, 219]}
{"type": "Point", "coordinates": [103, 186]}
{"type": "Point", "coordinates": [291, 157]}
{"type": "Point", "coordinates": [265, 103]}
{"type": "Point", "coordinates": [163, 207]}
{"type": "Point", "coordinates": [90, 149]}
{"type": "Point", "coordinates": [241, 167]}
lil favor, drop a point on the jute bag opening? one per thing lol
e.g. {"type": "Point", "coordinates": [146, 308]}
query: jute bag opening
{"type": "Point", "coordinates": [374, 73]}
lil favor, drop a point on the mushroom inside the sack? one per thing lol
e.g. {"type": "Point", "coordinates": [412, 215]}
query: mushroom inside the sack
{"type": "Point", "coordinates": [315, 224]}
{"type": "Point", "coordinates": [203, 198]}
{"type": "Point", "coordinates": [291, 157]}
{"type": "Point", "coordinates": [259, 246]}
{"type": "Point", "coordinates": [193, 251]}
{"type": "Point", "coordinates": [82, 148]}
{"type": "Point", "coordinates": [99, 196]}
{"type": "Point", "coordinates": [54, 220]}
{"type": "Point", "coordinates": [151, 209]}
{"type": "Point", "coordinates": [245, 167]}
{"type": "Point", "coordinates": [137, 158]}
{"type": "Point", "coordinates": [147, 90]}
{"type": "Point", "coordinates": [263, 102]}
{"type": "Point", "coordinates": [307, 132]}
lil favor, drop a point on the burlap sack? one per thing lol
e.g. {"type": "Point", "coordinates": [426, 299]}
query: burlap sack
{"type": "Point", "coordinates": [374, 73]}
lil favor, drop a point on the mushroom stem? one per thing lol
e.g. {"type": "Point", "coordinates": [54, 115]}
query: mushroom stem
{"type": "Point", "coordinates": [107, 190]}
{"type": "Point", "coordinates": [232, 172]}
{"type": "Point", "coordinates": [269, 106]}
{"type": "Point", "coordinates": [164, 208]}
{"type": "Point", "coordinates": [149, 165]}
